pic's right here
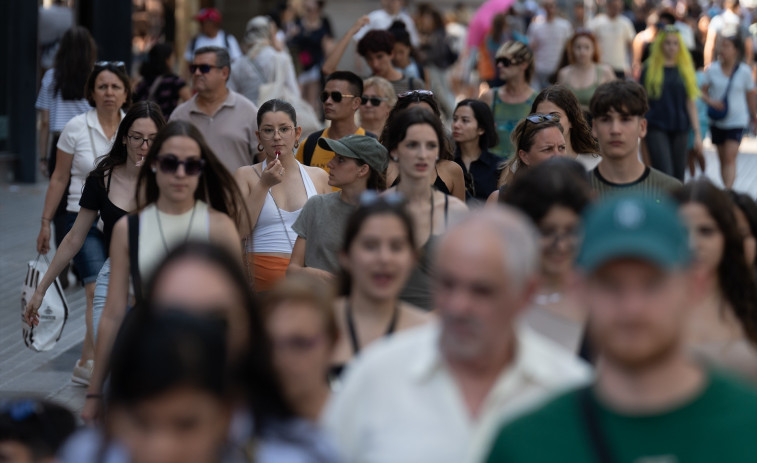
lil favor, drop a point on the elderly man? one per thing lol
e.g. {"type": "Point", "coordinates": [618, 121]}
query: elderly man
{"type": "Point", "coordinates": [651, 402]}
{"type": "Point", "coordinates": [436, 393]}
{"type": "Point", "coordinates": [226, 119]}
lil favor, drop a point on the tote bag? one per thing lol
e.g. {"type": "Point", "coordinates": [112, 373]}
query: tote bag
{"type": "Point", "coordinates": [53, 312]}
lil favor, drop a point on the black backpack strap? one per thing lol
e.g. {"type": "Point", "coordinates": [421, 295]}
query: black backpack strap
{"type": "Point", "coordinates": [589, 414]}
{"type": "Point", "coordinates": [307, 151]}
{"type": "Point", "coordinates": [193, 45]}
{"type": "Point", "coordinates": [226, 41]}
{"type": "Point", "coordinates": [136, 279]}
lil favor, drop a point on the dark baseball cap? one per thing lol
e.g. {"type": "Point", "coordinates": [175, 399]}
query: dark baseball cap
{"type": "Point", "coordinates": [362, 147]}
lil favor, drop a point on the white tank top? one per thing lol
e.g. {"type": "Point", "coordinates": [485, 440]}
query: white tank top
{"type": "Point", "coordinates": [268, 234]}
{"type": "Point", "coordinates": [175, 229]}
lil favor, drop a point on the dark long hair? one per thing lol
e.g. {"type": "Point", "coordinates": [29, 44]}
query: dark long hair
{"type": "Point", "coordinates": [394, 134]}
{"type": "Point", "coordinates": [118, 155]}
{"type": "Point", "coordinates": [485, 120]}
{"type": "Point", "coordinates": [255, 373]}
{"type": "Point", "coordinates": [216, 187]}
{"type": "Point", "coordinates": [581, 139]}
{"type": "Point", "coordinates": [381, 206]}
{"type": "Point", "coordinates": [748, 207]}
{"type": "Point", "coordinates": [73, 63]}
{"type": "Point", "coordinates": [735, 277]}
{"type": "Point", "coordinates": [156, 64]}
{"type": "Point", "coordinates": [403, 102]}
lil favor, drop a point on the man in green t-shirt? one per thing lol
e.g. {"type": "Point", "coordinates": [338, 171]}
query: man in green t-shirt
{"type": "Point", "coordinates": [650, 403]}
{"type": "Point", "coordinates": [618, 108]}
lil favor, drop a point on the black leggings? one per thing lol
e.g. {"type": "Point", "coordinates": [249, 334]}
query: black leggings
{"type": "Point", "coordinates": [667, 151]}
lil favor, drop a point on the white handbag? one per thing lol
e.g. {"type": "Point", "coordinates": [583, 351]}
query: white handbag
{"type": "Point", "coordinates": [53, 312]}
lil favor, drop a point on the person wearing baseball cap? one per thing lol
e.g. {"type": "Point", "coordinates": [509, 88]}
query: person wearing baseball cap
{"type": "Point", "coordinates": [211, 35]}
{"type": "Point", "coordinates": [359, 164]}
{"type": "Point", "coordinates": [650, 398]}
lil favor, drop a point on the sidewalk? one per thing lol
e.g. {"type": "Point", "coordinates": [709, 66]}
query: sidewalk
{"type": "Point", "coordinates": [48, 374]}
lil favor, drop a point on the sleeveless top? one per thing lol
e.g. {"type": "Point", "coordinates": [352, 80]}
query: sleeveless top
{"type": "Point", "coordinates": [269, 234]}
{"type": "Point", "coordinates": [160, 232]}
{"type": "Point", "coordinates": [506, 117]}
{"type": "Point", "coordinates": [584, 94]}
{"type": "Point", "coordinates": [417, 290]}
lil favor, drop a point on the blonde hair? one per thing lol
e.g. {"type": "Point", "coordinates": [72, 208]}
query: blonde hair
{"type": "Point", "coordinates": [655, 73]}
{"type": "Point", "coordinates": [385, 88]}
{"type": "Point", "coordinates": [519, 53]}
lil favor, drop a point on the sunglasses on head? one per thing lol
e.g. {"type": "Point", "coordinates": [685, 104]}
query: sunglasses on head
{"type": "Point", "coordinates": [505, 61]}
{"type": "Point", "coordinates": [169, 164]}
{"type": "Point", "coordinates": [371, 197]}
{"type": "Point", "coordinates": [374, 100]}
{"type": "Point", "coordinates": [539, 118]}
{"type": "Point", "coordinates": [120, 65]}
{"type": "Point", "coordinates": [204, 68]}
{"type": "Point", "coordinates": [416, 93]}
{"type": "Point", "coordinates": [336, 97]}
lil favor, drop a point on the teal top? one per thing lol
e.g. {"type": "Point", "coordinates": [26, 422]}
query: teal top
{"type": "Point", "coordinates": [506, 117]}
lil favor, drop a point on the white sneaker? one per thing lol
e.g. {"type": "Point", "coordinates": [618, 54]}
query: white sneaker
{"type": "Point", "coordinates": [82, 373]}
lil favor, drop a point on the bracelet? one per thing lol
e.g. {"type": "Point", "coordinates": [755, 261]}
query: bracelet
{"type": "Point", "coordinates": [94, 396]}
{"type": "Point", "coordinates": [45, 219]}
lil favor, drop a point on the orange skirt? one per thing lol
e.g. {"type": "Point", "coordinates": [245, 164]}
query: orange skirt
{"type": "Point", "coordinates": [267, 271]}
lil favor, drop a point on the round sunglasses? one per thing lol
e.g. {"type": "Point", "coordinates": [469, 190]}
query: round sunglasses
{"type": "Point", "coordinates": [169, 164]}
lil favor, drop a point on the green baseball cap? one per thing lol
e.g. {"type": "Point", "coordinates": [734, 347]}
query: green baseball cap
{"type": "Point", "coordinates": [633, 226]}
{"type": "Point", "coordinates": [362, 147]}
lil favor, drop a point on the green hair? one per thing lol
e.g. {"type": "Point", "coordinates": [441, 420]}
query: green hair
{"type": "Point", "coordinates": [656, 62]}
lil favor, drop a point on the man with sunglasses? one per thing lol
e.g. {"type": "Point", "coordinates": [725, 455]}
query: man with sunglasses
{"type": "Point", "coordinates": [619, 124]}
{"type": "Point", "coordinates": [226, 119]}
{"type": "Point", "coordinates": [341, 99]}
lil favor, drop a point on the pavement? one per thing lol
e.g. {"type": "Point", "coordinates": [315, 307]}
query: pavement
{"type": "Point", "coordinates": [25, 373]}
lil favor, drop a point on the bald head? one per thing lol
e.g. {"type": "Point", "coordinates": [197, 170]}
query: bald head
{"type": "Point", "coordinates": [485, 275]}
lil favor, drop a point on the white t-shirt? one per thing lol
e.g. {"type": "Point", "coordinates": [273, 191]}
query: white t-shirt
{"type": "Point", "coordinates": [738, 111]}
{"type": "Point", "coordinates": [614, 36]}
{"type": "Point", "coordinates": [217, 41]}
{"type": "Point", "coordinates": [547, 40]}
{"type": "Point", "coordinates": [380, 19]}
{"type": "Point", "coordinates": [76, 140]}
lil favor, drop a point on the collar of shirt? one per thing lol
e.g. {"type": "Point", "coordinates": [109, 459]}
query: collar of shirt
{"type": "Point", "coordinates": [94, 123]}
{"type": "Point", "coordinates": [230, 101]}
{"type": "Point", "coordinates": [486, 158]}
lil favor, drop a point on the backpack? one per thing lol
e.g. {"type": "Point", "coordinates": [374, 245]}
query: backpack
{"type": "Point", "coordinates": [312, 140]}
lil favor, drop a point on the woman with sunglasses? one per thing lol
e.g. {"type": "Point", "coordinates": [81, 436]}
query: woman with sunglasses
{"type": "Point", "coordinates": [377, 257]}
{"type": "Point", "coordinates": [85, 138]}
{"type": "Point", "coordinates": [185, 193]}
{"type": "Point", "coordinates": [415, 141]}
{"type": "Point", "coordinates": [537, 137]}
{"type": "Point", "coordinates": [449, 176]}
{"type": "Point", "coordinates": [511, 102]}
{"type": "Point", "coordinates": [110, 192]}
{"type": "Point", "coordinates": [376, 104]}
{"type": "Point", "coordinates": [274, 192]}
{"type": "Point", "coordinates": [670, 80]}
{"type": "Point", "coordinates": [553, 195]}
{"type": "Point", "coordinates": [474, 133]}
{"type": "Point", "coordinates": [584, 73]}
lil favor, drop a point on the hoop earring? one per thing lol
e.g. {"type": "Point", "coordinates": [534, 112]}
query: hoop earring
{"type": "Point", "coordinates": [260, 147]}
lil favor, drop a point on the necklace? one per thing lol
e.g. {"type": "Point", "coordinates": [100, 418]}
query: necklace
{"type": "Point", "coordinates": [189, 225]}
{"type": "Point", "coordinates": [353, 333]}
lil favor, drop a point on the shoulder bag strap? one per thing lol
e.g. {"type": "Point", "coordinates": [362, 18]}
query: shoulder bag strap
{"type": "Point", "coordinates": [136, 279]}
{"type": "Point", "coordinates": [154, 88]}
{"type": "Point", "coordinates": [597, 437]}
{"type": "Point", "coordinates": [730, 79]}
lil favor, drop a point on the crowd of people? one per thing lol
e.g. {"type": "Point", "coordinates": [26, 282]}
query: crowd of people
{"type": "Point", "coordinates": [456, 267]}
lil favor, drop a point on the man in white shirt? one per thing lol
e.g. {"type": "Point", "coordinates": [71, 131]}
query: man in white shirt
{"type": "Point", "coordinates": [614, 33]}
{"type": "Point", "coordinates": [227, 119]}
{"type": "Point", "coordinates": [390, 11]}
{"type": "Point", "coordinates": [211, 35]}
{"type": "Point", "coordinates": [438, 393]}
{"type": "Point", "coordinates": [546, 37]}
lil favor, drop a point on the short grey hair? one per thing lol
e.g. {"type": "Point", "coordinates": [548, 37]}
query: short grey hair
{"type": "Point", "coordinates": [384, 87]}
{"type": "Point", "coordinates": [223, 59]}
{"type": "Point", "coordinates": [518, 237]}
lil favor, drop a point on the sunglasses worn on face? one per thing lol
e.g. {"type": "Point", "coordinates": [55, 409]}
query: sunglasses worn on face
{"type": "Point", "coordinates": [539, 118]}
{"type": "Point", "coordinates": [204, 68]}
{"type": "Point", "coordinates": [506, 62]}
{"type": "Point", "coordinates": [335, 96]}
{"type": "Point", "coordinates": [120, 65]}
{"type": "Point", "coordinates": [374, 100]}
{"type": "Point", "coordinates": [169, 164]}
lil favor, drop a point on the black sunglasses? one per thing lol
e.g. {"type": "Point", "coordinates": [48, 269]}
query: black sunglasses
{"type": "Point", "coordinates": [374, 100]}
{"type": "Point", "coordinates": [120, 65]}
{"type": "Point", "coordinates": [418, 93]}
{"type": "Point", "coordinates": [539, 118]}
{"type": "Point", "coordinates": [169, 164]}
{"type": "Point", "coordinates": [335, 96]}
{"type": "Point", "coordinates": [506, 62]}
{"type": "Point", "coordinates": [204, 68]}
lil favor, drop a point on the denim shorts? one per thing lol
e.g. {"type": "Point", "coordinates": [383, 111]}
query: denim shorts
{"type": "Point", "coordinates": [719, 136]}
{"type": "Point", "coordinates": [91, 257]}
{"type": "Point", "coordinates": [101, 292]}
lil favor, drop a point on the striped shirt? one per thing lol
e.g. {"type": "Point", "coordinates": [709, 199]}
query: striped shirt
{"type": "Point", "coordinates": [61, 111]}
{"type": "Point", "coordinates": [652, 182]}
